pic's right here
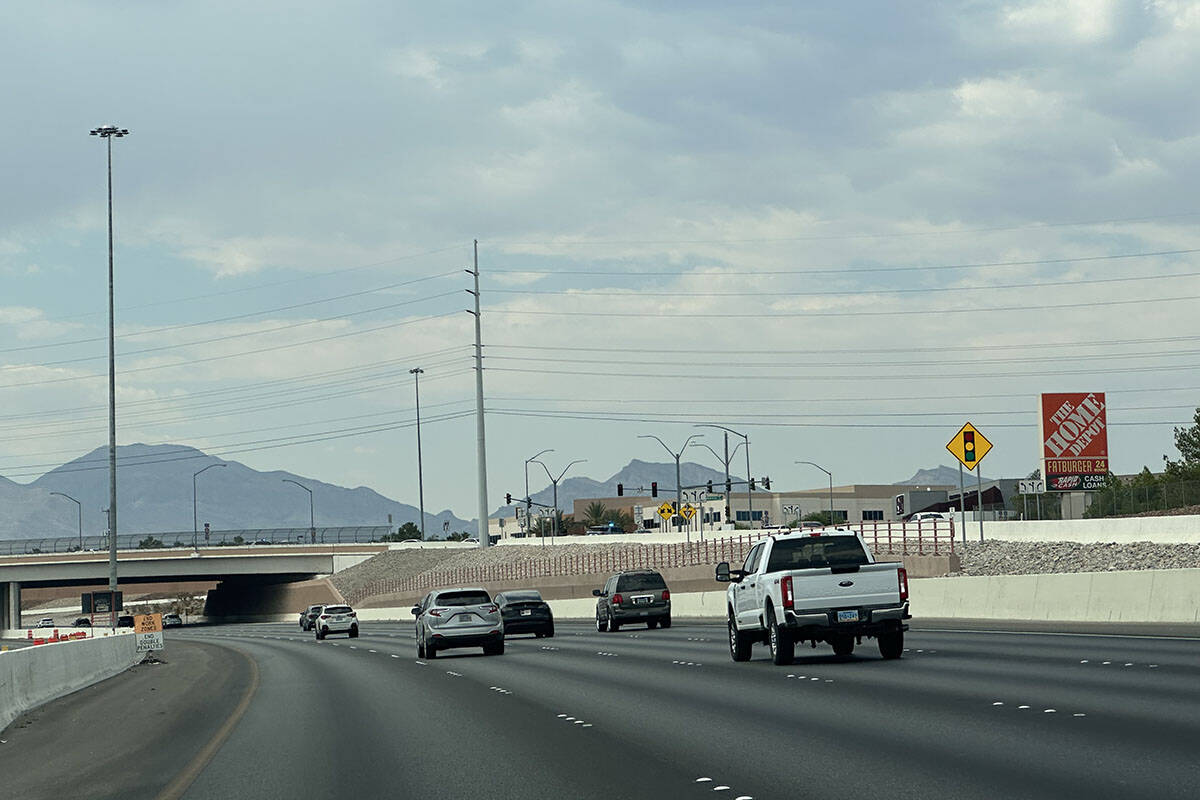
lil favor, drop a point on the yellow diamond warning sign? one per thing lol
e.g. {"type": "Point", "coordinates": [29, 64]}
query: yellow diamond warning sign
{"type": "Point", "coordinates": [969, 446]}
{"type": "Point", "coordinates": [688, 511]}
{"type": "Point", "coordinates": [666, 510]}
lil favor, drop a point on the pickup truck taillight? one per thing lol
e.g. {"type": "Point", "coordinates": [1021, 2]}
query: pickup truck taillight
{"type": "Point", "coordinates": [903, 577]}
{"type": "Point", "coordinates": [666, 595]}
{"type": "Point", "coordinates": [617, 599]}
{"type": "Point", "coordinates": [785, 586]}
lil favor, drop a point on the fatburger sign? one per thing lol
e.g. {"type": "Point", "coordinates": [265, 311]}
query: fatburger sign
{"type": "Point", "coordinates": [1074, 434]}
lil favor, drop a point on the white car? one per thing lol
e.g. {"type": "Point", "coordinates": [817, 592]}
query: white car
{"type": "Point", "coordinates": [335, 619]}
{"type": "Point", "coordinates": [451, 618]}
{"type": "Point", "coordinates": [928, 516]}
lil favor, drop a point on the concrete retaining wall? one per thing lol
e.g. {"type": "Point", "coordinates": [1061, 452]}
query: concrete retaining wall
{"type": "Point", "coordinates": [1135, 596]}
{"type": "Point", "coordinates": [30, 676]}
{"type": "Point", "coordinates": [1164, 530]}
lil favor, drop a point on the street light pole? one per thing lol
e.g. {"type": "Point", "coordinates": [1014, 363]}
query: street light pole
{"type": "Point", "coordinates": [749, 489]}
{"type": "Point", "coordinates": [527, 505]}
{"type": "Point", "coordinates": [80, 510]}
{"type": "Point", "coordinates": [417, 372]}
{"type": "Point", "coordinates": [108, 133]}
{"type": "Point", "coordinates": [724, 460]}
{"type": "Point", "coordinates": [830, 474]}
{"type": "Point", "coordinates": [554, 482]}
{"type": "Point", "coordinates": [312, 525]}
{"type": "Point", "coordinates": [195, 523]}
{"type": "Point", "coordinates": [678, 479]}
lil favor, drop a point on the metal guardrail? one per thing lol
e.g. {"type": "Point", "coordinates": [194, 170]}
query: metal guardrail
{"type": "Point", "coordinates": [935, 537]}
{"type": "Point", "coordinates": [183, 539]}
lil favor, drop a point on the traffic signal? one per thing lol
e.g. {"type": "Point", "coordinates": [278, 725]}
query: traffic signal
{"type": "Point", "coordinates": [969, 446]}
{"type": "Point", "coordinates": [710, 487]}
{"type": "Point", "coordinates": [729, 486]}
{"type": "Point", "coordinates": [620, 490]}
{"type": "Point", "coordinates": [767, 484]}
{"type": "Point", "coordinates": [752, 484]}
{"type": "Point", "coordinates": [508, 499]}
{"type": "Point", "coordinates": [654, 488]}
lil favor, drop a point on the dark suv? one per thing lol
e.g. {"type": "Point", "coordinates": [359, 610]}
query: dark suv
{"type": "Point", "coordinates": [639, 595]}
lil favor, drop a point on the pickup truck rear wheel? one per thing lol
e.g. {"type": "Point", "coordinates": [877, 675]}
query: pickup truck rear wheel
{"type": "Point", "coordinates": [842, 645]}
{"type": "Point", "coordinates": [891, 645]}
{"type": "Point", "coordinates": [739, 643]}
{"type": "Point", "coordinates": [783, 646]}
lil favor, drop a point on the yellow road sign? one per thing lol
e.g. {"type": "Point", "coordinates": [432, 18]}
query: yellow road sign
{"type": "Point", "coordinates": [666, 510]}
{"type": "Point", "coordinates": [688, 511]}
{"type": "Point", "coordinates": [969, 446]}
{"type": "Point", "coordinates": [147, 623]}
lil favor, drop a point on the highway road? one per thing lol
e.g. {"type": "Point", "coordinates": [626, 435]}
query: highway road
{"type": "Point", "coordinates": [266, 711]}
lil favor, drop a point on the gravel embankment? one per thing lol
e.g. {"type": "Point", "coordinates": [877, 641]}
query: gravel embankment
{"type": "Point", "coordinates": [988, 558]}
{"type": "Point", "coordinates": [1028, 558]}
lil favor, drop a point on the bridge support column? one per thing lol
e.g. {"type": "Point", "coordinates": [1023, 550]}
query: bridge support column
{"type": "Point", "coordinates": [10, 605]}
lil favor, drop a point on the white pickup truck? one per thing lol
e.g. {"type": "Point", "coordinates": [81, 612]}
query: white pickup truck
{"type": "Point", "coordinates": [816, 586]}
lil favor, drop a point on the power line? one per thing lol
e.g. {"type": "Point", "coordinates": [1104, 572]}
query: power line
{"type": "Point", "coordinates": [856, 313]}
{"type": "Point", "coordinates": [247, 315]}
{"type": "Point", "coordinates": [841, 270]}
{"type": "Point", "coordinates": [834, 237]}
{"type": "Point", "coordinates": [859, 293]}
{"type": "Point", "coordinates": [190, 362]}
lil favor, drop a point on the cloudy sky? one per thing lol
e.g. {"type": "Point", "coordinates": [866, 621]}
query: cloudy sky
{"type": "Point", "coordinates": [845, 229]}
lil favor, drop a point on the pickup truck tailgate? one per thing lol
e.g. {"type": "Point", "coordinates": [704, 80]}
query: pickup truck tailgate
{"type": "Point", "coordinates": [870, 585]}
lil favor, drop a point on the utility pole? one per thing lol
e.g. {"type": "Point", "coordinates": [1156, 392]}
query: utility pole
{"type": "Point", "coordinates": [725, 461]}
{"type": "Point", "coordinates": [108, 133]}
{"type": "Point", "coordinates": [678, 479]}
{"type": "Point", "coordinates": [554, 482]}
{"type": "Point", "coordinates": [480, 443]}
{"type": "Point", "coordinates": [416, 373]}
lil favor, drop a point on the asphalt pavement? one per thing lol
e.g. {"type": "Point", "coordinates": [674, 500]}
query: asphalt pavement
{"type": "Point", "coordinates": [666, 714]}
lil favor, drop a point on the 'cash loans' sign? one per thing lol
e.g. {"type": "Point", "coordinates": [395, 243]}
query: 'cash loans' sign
{"type": "Point", "coordinates": [1074, 435]}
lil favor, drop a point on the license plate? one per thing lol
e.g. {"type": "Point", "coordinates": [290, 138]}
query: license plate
{"type": "Point", "coordinates": [847, 616]}
{"type": "Point", "coordinates": [641, 601]}
{"type": "Point", "coordinates": [339, 619]}
{"type": "Point", "coordinates": [526, 613]}
{"type": "Point", "coordinates": [465, 619]}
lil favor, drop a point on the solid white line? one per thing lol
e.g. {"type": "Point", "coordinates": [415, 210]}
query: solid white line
{"type": "Point", "coordinates": [1050, 633]}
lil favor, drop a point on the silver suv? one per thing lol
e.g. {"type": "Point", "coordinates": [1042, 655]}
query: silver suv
{"type": "Point", "coordinates": [449, 618]}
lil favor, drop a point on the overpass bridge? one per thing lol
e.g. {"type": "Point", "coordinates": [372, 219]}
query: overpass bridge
{"type": "Point", "coordinates": [246, 573]}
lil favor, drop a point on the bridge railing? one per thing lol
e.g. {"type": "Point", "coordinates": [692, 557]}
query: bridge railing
{"type": "Point", "coordinates": [184, 539]}
{"type": "Point", "coordinates": [934, 537]}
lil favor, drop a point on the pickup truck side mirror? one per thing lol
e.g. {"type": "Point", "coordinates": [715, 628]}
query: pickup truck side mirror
{"type": "Point", "coordinates": [416, 611]}
{"type": "Point", "coordinates": [727, 575]}
{"type": "Point", "coordinates": [597, 593]}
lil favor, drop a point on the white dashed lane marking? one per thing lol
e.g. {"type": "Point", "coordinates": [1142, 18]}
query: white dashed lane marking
{"type": "Point", "coordinates": [703, 781]}
{"type": "Point", "coordinates": [574, 721]}
{"type": "Point", "coordinates": [1026, 707]}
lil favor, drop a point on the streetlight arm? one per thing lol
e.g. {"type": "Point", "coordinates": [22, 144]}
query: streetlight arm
{"type": "Point", "coordinates": [722, 427]}
{"type": "Point", "coordinates": [543, 466]}
{"type": "Point", "coordinates": [660, 441]}
{"type": "Point", "coordinates": [568, 466]}
{"type": "Point", "coordinates": [818, 466]}
{"type": "Point", "coordinates": [714, 452]}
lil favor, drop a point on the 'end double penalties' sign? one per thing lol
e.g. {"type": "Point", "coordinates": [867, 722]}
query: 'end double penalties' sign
{"type": "Point", "coordinates": [147, 628]}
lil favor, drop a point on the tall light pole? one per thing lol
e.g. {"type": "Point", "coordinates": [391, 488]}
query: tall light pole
{"type": "Point", "coordinates": [108, 133]}
{"type": "Point", "coordinates": [830, 474]}
{"type": "Point", "coordinates": [745, 441]}
{"type": "Point", "coordinates": [312, 525]}
{"type": "Point", "coordinates": [726, 459]}
{"type": "Point", "coordinates": [195, 522]}
{"type": "Point", "coordinates": [417, 372]}
{"type": "Point", "coordinates": [534, 457]}
{"type": "Point", "coordinates": [678, 480]}
{"type": "Point", "coordinates": [554, 482]}
{"type": "Point", "coordinates": [80, 510]}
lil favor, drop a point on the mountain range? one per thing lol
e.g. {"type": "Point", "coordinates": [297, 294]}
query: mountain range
{"type": "Point", "coordinates": [154, 495]}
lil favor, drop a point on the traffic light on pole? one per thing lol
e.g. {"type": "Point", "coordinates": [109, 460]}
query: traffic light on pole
{"type": "Point", "coordinates": [654, 488]}
{"type": "Point", "coordinates": [729, 486]}
{"type": "Point", "coordinates": [620, 490]}
{"type": "Point", "coordinates": [508, 499]}
{"type": "Point", "coordinates": [752, 484]}
{"type": "Point", "coordinates": [767, 484]}
{"type": "Point", "coordinates": [969, 446]}
{"type": "Point", "coordinates": [710, 487]}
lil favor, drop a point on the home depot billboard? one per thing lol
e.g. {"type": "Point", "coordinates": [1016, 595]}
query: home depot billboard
{"type": "Point", "coordinates": [1074, 434]}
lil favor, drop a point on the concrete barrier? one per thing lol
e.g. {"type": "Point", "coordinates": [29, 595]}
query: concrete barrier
{"type": "Point", "coordinates": [1164, 530]}
{"type": "Point", "coordinates": [31, 676]}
